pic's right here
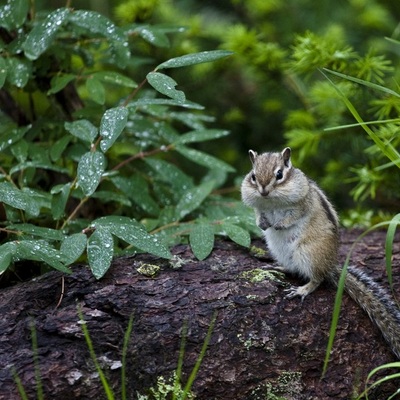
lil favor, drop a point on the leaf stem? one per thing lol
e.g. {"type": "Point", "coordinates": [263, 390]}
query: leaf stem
{"type": "Point", "coordinates": [143, 154]}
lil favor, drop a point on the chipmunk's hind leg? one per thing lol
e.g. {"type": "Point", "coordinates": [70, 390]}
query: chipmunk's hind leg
{"type": "Point", "coordinates": [302, 291]}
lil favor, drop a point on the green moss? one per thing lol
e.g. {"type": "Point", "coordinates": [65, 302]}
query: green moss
{"type": "Point", "coordinates": [259, 275]}
{"type": "Point", "coordinates": [286, 387]}
{"type": "Point", "coordinates": [258, 252]}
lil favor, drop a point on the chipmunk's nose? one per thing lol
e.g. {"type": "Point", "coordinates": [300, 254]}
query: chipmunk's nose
{"type": "Point", "coordinates": [264, 192]}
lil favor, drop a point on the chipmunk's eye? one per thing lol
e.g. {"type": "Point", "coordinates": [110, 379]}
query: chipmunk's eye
{"type": "Point", "coordinates": [253, 178]}
{"type": "Point", "coordinates": [279, 175]}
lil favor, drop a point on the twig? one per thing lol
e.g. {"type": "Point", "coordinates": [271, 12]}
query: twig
{"type": "Point", "coordinates": [62, 293]}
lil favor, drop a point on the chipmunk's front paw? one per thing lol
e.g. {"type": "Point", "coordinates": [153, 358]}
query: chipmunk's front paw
{"type": "Point", "coordinates": [263, 222]}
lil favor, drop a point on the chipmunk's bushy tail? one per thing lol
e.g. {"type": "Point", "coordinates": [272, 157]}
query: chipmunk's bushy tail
{"type": "Point", "coordinates": [377, 302]}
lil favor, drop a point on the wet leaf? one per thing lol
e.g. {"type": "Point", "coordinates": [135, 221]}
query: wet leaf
{"type": "Point", "coordinates": [11, 136]}
{"type": "Point", "coordinates": [42, 35]}
{"type": "Point", "coordinates": [59, 82]}
{"type": "Point", "coordinates": [193, 199]}
{"type": "Point", "coordinates": [73, 247]}
{"type": "Point", "coordinates": [7, 252]}
{"type": "Point", "coordinates": [40, 250]}
{"type": "Point", "coordinates": [133, 233]}
{"type": "Point", "coordinates": [13, 14]}
{"type": "Point", "coordinates": [18, 71]}
{"type": "Point", "coordinates": [115, 78]}
{"type": "Point", "coordinates": [201, 240]}
{"type": "Point", "coordinates": [96, 90]}
{"type": "Point", "coordinates": [136, 189]}
{"type": "Point", "coordinates": [204, 159]}
{"type": "Point", "coordinates": [112, 124]}
{"type": "Point", "coordinates": [58, 147]}
{"type": "Point", "coordinates": [201, 136]}
{"type": "Point", "coordinates": [165, 102]}
{"type": "Point", "coordinates": [237, 234]}
{"type": "Point", "coordinates": [100, 250]}
{"type": "Point", "coordinates": [3, 71]}
{"type": "Point", "coordinates": [165, 85]}
{"type": "Point", "coordinates": [195, 58]}
{"type": "Point", "coordinates": [59, 199]}
{"type": "Point", "coordinates": [170, 174]}
{"type": "Point", "coordinates": [16, 198]}
{"type": "Point", "coordinates": [90, 169]}
{"type": "Point", "coordinates": [82, 129]}
{"type": "Point", "coordinates": [33, 230]}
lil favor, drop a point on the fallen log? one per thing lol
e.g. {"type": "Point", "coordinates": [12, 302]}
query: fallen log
{"type": "Point", "coordinates": [262, 344]}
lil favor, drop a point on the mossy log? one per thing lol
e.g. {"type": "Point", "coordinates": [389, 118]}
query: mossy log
{"type": "Point", "coordinates": [263, 345]}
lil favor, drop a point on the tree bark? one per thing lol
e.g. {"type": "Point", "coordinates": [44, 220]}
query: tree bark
{"type": "Point", "coordinates": [263, 345]}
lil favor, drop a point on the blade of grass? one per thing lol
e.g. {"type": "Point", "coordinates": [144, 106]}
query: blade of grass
{"type": "Point", "coordinates": [339, 294]}
{"type": "Point", "coordinates": [389, 247]}
{"type": "Point", "coordinates": [20, 386]}
{"type": "Point", "coordinates": [124, 352]}
{"type": "Point", "coordinates": [386, 148]}
{"type": "Point", "coordinates": [365, 83]}
{"type": "Point", "coordinates": [200, 358]}
{"type": "Point", "coordinates": [180, 360]}
{"type": "Point", "coordinates": [106, 386]}
{"type": "Point", "coordinates": [382, 380]}
{"type": "Point", "coordinates": [377, 122]}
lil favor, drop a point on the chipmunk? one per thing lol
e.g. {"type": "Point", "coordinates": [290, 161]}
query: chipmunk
{"type": "Point", "coordinates": [301, 229]}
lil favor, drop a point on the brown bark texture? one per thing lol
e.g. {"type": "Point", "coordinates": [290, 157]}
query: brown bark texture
{"type": "Point", "coordinates": [263, 345]}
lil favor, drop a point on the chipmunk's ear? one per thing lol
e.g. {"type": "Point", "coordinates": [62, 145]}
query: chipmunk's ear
{"type": "Point", "coordinates": [252, 155]}
{"type": "Point", "coordinates": [286, 156]}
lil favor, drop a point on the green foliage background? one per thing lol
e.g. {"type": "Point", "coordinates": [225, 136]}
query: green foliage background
{"type": "Point", "coordinates": [115, 118]}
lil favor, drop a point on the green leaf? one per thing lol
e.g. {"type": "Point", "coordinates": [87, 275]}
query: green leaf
{"type": "Point", "coordinates": [82, 129]}
{"type": "Point", "coordinates": [153, 35]}
{"type": "Point", "coordinates": [195, 58]}
{"type": "Point", "coordinates": [59, 200]}
{"type": "Point", "coordinates": [115, 78]}
{"type": "Point", "coordinates": [237, 234]}
{"type": "Point", "coordinates": [203, 159]}
{"type": "Point", "coordinates": [3, 71]}
{"type": "Point", "coordinates": [90, 169]}
{"type": "Point", "coordinates": [100, 251]}
{"type": "Point", "coordinates": [20, 150]}
{"type": "Point", "coordinates": [96, 90]}
{"type": "Point", "coordinates": [136, 189]}
{"type": "Point", "coordinates": [164, 102]}
{"type": "Point", "coordinates": [11, 136]}
{"type": "Point", "coordinates": [16, 198]}
{"type": "Point", "coordinates": [73, 247]}
{"type": "Point", "coordinates": [133, 233]}
{"type": "Point", "coordinates": [201, 240]}
{"type": "Point", "coordinates": [112, 124]}
{"type": "Point", "coordinates": [40, 250]}
{"type": "Point", "coordinates": [108, 196]}
{"type": "Point", "coordinates": [59, 82]}
{"type": "Point", "coordinates": [18, 71]}
{"type": "Point", "coordinates": [58, 147]}
{"type": "Point", "coordinates": [201, 136]}
{"type": "Point", "coordinates": [42, 35]}
{"type": "Point", "coordinates": [96, 23]}
{"type": "Point", "coordinates": [13, 14]}
{"type": "Point", "coordinates": [33, 230]}
{"type": "Point", "coordinates": [7, 252]}
{"type": "Point", "coordinates": [165, 85]}
{"type": "Point", "coordinates": [170, 174]}
{"type": "Point", "coordinates": [193, 199]}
